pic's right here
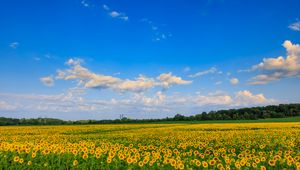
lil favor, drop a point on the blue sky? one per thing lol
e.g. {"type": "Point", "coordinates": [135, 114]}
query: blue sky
{"type": "Point", "coordinates": [95, 59]}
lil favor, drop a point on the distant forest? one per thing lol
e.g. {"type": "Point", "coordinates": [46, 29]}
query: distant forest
{"type": "Point", "coordinates": [253, 113]}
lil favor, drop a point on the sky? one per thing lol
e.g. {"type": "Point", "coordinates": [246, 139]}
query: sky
{"type": "Point", "coordinates": [98, 59]}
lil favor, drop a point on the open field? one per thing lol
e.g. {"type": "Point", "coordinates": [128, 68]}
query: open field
{"type": "Point", "coordinates": [152, 146]}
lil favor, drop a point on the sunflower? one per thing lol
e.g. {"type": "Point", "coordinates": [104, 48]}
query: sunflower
{"type": "Point", "coordinates": [141, 164]}
{"type": "Point", "coordinates": [212, 162]}
{"type": "Point", "coordinates": [254, 165]}
{"type": "Point", "coordinates": [204, 164]}
{"type": "Point", "coordinates": [85, 156]}
{"type": "Point", "coordinates": [181, 166]}
{"type": "Point", "coordinates": [173, 163]}
{"type": "Point", "coordinates": [263, 168]}
{"type": "Point", "coordinates": [16, 159]}
{"type": "Point", "coordinates": [237, 165]}
{"type": "Point", "coordinates": [272, 162]}
{"type": "Point", "coordinates": [129, 160]}
{"type": "Point", "coordinates": [75, 163]}
{"type": "Point", "coordinates": [21, 160]}
{"type": "Point", "coordinates": [33, 155]}
{"type": "Point", "coordinates": [74, 152]}
{"type": "Point", "coordinates": [198, 163]}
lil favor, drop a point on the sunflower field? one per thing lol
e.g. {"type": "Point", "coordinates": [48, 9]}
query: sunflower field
{"type": "Point", "coordinates": [152, 146]}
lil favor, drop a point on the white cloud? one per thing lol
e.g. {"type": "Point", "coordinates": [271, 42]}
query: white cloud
{"type": "Point", "coordinates": [115, 14]}
{"type": "Point", "coordinates": [74, 101]}
{"type": "Point", "coordinates": [88, 79]}
{"type": "Point", "coordinates": [213, 99]}
{"type": "Point", "coordinates": [295, 26]}
{"type": "Point", "coordinates": [85, 77]}
{"type": "Point", "coordinates": [212, 70]}
{"type": "Point", "coordinates": [166, 80]}
{"type": "Point", "coordinates": [47, 81]}
{"type": "Point", "coordinates": [6, 106]}
{"type": "Point", "coordinates": [221, 100]}
{"type": "Point", "coordinates": [280, 67]}
{"type": "Point", "coordinates": [50, 56]}
{"type": "Point", "coordinates": [218, 82]}
{"type": "Point", "coordinates": [234, 81]}
{"type": "Point", "coordinates": [14, 45]}
{"type": "Point", "coordinates": [141, 83]}
{"type": "Point", "coordinates": [71, 101]}
{"type": "Point", "coordinates": [265, 78]}
{"type": "Point", "coordinates": [75, 104]}
{"type": "Point", "coordinates": [101, 81]}
{"type": "Point", "coordinates": [105, 7]}
{"type": "Point", "coordinates": [85, 3]}
{"type": "Point", "coordinates": [246, 98]}
{"type": "Point", "coordinates": [158, 34]}
{"type": "Point", "coordinates": [74, 61]}
{"type": "Point", "coordinates": [158, 99]}
{"type": "Point", "coordinates": [240, 99]}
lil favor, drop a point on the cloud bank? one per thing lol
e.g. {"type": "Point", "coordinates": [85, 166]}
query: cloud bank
{"type": "Point", "coordinates": [74, 102]}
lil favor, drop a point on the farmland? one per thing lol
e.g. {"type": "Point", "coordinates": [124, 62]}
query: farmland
{"type": "Point", "coordinates": [152, 146]}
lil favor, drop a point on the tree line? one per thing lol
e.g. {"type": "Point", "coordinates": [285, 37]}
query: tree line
{"type": "Point", "coordinates": [253, 113]}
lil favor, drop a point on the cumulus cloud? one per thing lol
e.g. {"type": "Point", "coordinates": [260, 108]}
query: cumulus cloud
{"type": "Point", "coordinates": [266, 78]}
{"type": "Point", "coordinates": [213, 99]}
{"type": "Point", "coordinates": [212, 70]}
{"type": "Point", "coordinates": [295, 26]}
{"type": "Point", "coordinates": [219, 99]}
{"type": "Point", "coordinates": [240, 99]}
{"type": "Point", "coordinates": [166, 80]}
{"type": "Point", "coordinates": [115, 14]}
{"type": "Point", "coordinates": [281, 67]}
{"type": "Point", "coordinates": [14, 45]}
{"type": "Point", "coordinates": [101, 81]}
{"type": "Point", "coordinates": [141, 83]}
{"type": "Point", "coordinates": [246, 98]}
{"type": "Point", "coordinates": [234, 81]}
{"type": "Point", "coordinates": [88, 79]}
{"type": "Point", "coordinates": [47, 81]}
